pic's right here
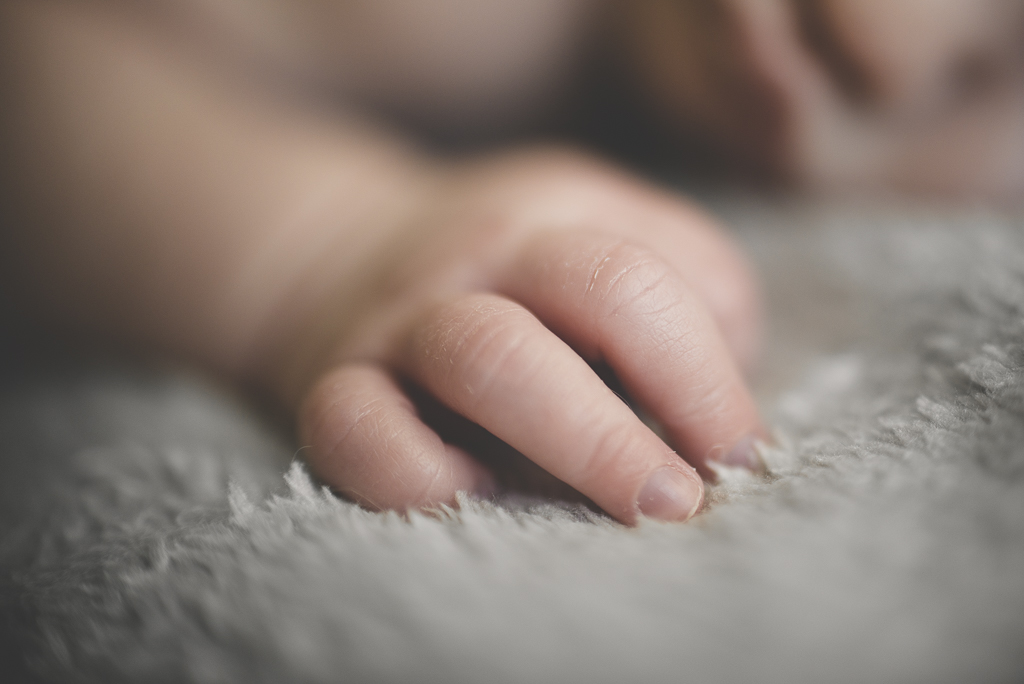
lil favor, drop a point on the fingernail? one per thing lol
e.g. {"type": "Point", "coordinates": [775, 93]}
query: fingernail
{"type": "Point", "coordinates": [670, 495]}
{"type": "Point", "coordinates": [742, 455]}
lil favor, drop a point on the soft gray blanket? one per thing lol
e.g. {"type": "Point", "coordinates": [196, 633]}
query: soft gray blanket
{"type": "Point", "coordinates": [153, 529]}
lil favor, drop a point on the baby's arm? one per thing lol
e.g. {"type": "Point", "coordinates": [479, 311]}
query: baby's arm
{"type": "Point", "coordinates": [164, 202]}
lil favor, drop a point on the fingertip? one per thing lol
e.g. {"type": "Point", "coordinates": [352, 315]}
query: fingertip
{"type": "Point", "coordinates": [743, 454]}
{"type": "Point", "coordinates": [473, 478]}
{"type": "Point", "coordinates": [671, 494]}
{"type": "Point", "coordinates": [368, 442]}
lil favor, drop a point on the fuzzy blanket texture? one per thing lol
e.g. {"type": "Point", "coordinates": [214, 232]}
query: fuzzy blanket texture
{"type": "Point", "coordinates": [152, 528]}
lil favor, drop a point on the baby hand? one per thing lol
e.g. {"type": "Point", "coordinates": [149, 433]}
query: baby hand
{"type": "Point", "coordinates": [493, 297]}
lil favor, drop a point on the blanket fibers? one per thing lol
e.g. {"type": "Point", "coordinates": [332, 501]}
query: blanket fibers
{"type": "Point", "coordinates": [153, 529]}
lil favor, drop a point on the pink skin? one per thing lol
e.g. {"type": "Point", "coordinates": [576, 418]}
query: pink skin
{"type": "Point", "coordinates": [171, 204]}
{"type": "Point", "coordinates": [181, 189]}
{"type": "Point", "coordinates": [547, 260]}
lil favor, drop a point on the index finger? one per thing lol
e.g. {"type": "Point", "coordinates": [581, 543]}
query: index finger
{"type": "Point", "coordinates": [620, 303]}
{"type": "Point", "coordinates": [492, 361]}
